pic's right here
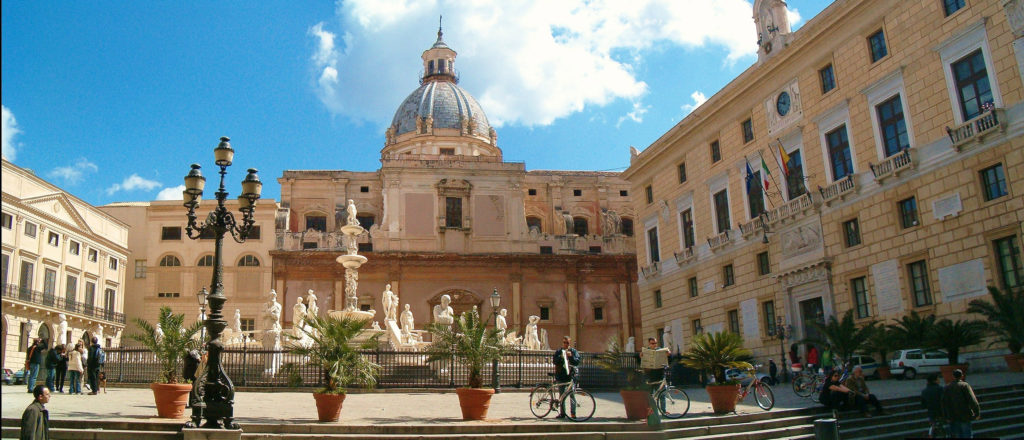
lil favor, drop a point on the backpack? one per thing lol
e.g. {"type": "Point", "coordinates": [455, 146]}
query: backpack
{"type": "Point", "coordinates": [101, 356]}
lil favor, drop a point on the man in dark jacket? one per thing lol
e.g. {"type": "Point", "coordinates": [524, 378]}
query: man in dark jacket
{"type": "Point", "coordinates": [62, 368]}
{"type": "Point", "coordinates": [33, 359]}
{"type": "Point", "coordinates": [94, 364]}
{"type": "Point", "coordinates": [52, 359]}
{"type": "Point", "coordinates": [960, 406]}
{"type": "Point", "coordinates": [35, 421]}
{"type": "Point", "coordinates": [931, 400]}
{"type": "Point", "coordinates": [566, 361]}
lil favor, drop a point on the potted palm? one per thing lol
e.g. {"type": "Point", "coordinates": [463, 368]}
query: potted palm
{"type": "Point", "coordinates": [1005, 317]}
{"type": "Point", "coordinates": [881, 342]}
{"type": "Point", "coordinates": [471, 343]}
{"type": "Point", "coordinates": [843, 335]}
{"type": "Point", "coordinates": [341, 361]}
{"type": "Point", "coordinates": [912, 330]}
{"type": "Point", "coordinates": [715, 352]}
{"type": "Point", "coordinates": [170, 342]}
{"type": "Point", "coordinates": [633, 391]}
{"type": "Point", "coordinates": [952, 336]}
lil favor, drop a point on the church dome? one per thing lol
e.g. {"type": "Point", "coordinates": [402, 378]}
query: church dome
{"type": "Point", "coordinates": [447, 104]}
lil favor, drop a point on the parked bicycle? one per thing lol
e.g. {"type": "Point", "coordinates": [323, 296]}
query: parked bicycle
{"type": "Point", "coordinates": [672, 402]}
{"type": "Point", "coordinates": [762, 391]}
{"type": "Point", "coordinates": [808, 384]}
{"type": "Point", "coordinates": [579, 404]}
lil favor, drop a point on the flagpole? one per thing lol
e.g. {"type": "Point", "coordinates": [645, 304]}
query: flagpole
{"type": "Point", "coordinates": [777, 186]}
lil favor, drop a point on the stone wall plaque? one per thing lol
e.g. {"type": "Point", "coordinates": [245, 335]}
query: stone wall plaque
{"type": "Point", "coordinates": [709, 287]}
{"type": "Point", "coordinates": [947, 206]}
{"type": "Point", "coordinates": [751, 326]}
{"type": "Point", "coordinates": [714, 328]}
{"type": "Point", "coordinates": [962, 281]}
{"type": "Point", "coordinates": [886, 276]}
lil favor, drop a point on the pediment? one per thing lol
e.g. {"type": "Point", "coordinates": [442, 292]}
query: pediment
{"type": "Point", "coordinates": [58, 206]}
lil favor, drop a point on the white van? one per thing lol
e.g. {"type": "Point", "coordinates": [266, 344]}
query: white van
{"type": "Point", "coordinates": [909, 363]}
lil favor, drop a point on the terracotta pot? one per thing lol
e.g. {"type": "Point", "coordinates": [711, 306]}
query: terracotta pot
{"type": "Point", "coordinates": [884, 373]}
{"type": "Point", "coordinates": [947, 371]}
{"type": "Point", "coordinates": [723, 397]}
{"type": "Point", "coordinates": [474, 402]}
{"type": "Point", "coordinates": [170, 399]}
{"type": "Point", "coordinates": [1014, 362]}
{"type": "Point", "coordinates": [328, 406]}
{"type": "Point", "coordinates": [637, 406]}
{"type": "Point", "coordinates": [1020, 363]}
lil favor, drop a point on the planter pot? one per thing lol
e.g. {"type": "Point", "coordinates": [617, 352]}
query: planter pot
{"type": "Point", "coordinates": [947, 371]}
{"type": "Point", "coordinates": [170, 399]}
{"type": "Point", "coordinates": [1020, 363]}
{"type": "Point", "coordinates": [1014, 361]}
{"type": "Point", "coordinates": [328, 406]}
{"type": "Point", "coordinates": [637, 406]}
{"type": "Point", "coordinates": [474, 402]}
{"type": "Point", "coordinates": [884, 373]}
{"type": "Point", "coordinates": [723, 397]}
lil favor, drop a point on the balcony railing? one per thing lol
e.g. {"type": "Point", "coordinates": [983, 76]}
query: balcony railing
{"type": "Point", "coordinates": [791, 209]}
{"type": "Point", "coordinates": [719, 241]}
{"type": "Point", "coordinates": [839, 189]}
{"type": "Point", "coordinates": [652, 270]}
{"type": "Point", "coordinates": [893, 165]}
{"type": "Point", "coordinates": [313, 239]}
{"type": "Point", "coordinates": [976, 129]}
{"type": "Point", "coordinates": [684, 256]}
{"type": "Point", "coordinates": [749, 228]}
{"type": "Point", "coordinates": [12, 291]}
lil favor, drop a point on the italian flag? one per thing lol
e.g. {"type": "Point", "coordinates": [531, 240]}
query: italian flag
{"type": "Point", "coordinates": [764, 173]}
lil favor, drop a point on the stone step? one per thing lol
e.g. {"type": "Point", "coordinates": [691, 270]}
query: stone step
{"type": "Point", "coordinates": [98, 434]}
{"type": "Point", "coordinates": [918, 413]}
{"type": "Point", "coordinates": [885, 429]}
{"type": "Point", "coordinates": [1005, 428]}
{"type": "Point", "coordinates": [510, 436]}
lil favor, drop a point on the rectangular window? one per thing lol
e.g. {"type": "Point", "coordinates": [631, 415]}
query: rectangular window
{"type": "Point", "coordinates": [577, 192]}
{"type": "Point", "coordinates": [623, 193]}
{"type": "Point", "coordinates": [93, 255]}
{"type": "Point", "coordinates": [764, 266]}
{"type": "Point", "coordinates": [140, 268]}
{"type": "Point", "coordinates": [851, 232]}
{"type": "Point", "coordinates": [53, 239]}
{"type": "Point", "coordinates": [71, 290]}
{"type": "Point", "coordinates": [649, 191]}
{"type": "Point", "coordinates": [365, 247]}
{"type": "Point", "coordinates": [748, 130]}
{"type": "Point", "coordinates": [828, 79]}
{"type": "Point", "coordinates": [908, 212]}
{"type": "Point", "coordinates": [109, 300]}
{"type": "Point", "coordinates": [734, 321]}
{"type": "Point", "coordinates": [755, 195]}
{"type": "Point", "coordinates": [919, 287]}
{"type": "Point", "coordinates": [28, 274]}
{"type": "Point", "coordinates": [722, 211]}
{"type": "Point", "coordinates": [313, 222]}
{"type": "Point", "coordinates": [531, 192]}
{"type": "Point", "coordinates": [768, 308]}
{"type": "Point", "coordinates": [877, 44]}
{"type": "Point", "coordinates": [697, 329]}
{"type": "Point", "coordinates": [447, 151]}
{"type": "Point", "coordinates": [1008, 262]}
{"type": "Point", "coordinates": [716, 152]}
{"type": "Point", "coordinates": [49, 285]}
{"type": "Point", "coordinates": [546, 250]}
{"type": "Point", "coordinates": [972, 86]}
{"type": "Point", "coordinates": [859, 288]}
{"type": "Point", "coordinates": [686, 217]}
{"type": "Point", "coordinates": [652, 245]}
{"type": "Point", "coordinates": [627, 227]}
{"type": "Point", "coordinates": [795, 186]}
{"type": "Point", "coordinates": [728, 277]}
{"type": "Point", "coordinates": [545, 313]}
{"type": "Point", "coordinates": [8, 221]}
{"type": "Point", "coordinates": [594, 249]}
{"type": "Point", "coordinates": [453, 212]}
{"type": "Point", "coordinates": [5, 266]}
{"type": "Point", "coordinates": [30, 229]}
{"type": "Point", "coordinates": [694, 291]}
{"type": "Point", "coordinates": [90, 294]}
{"type": "Point", "coordinates": [74, 248]}
{"type": "Point", "coordinates": [248, 324]}
{"type": "Point", "coordinates": [579, 226]}
{"type": "Point", "coordinates": [364, 189]}
{"type": "Point", "coordinates": [598, 313]}
{"type": "Point", "coordinates": [112, 263]}
{"type": "Point", "coordinates": [682, 172]}
{"type": "Point", "coordinates": [366, 221]}
{"type": "Point", "coordinates": [657, 299]}
{"type": "Point", "coordinates": [892, 126]}
{"type": "Point", "coordinates": [951, 6]}
{"type": "Point", "coordinates": [170, 233]}
{"type": "Point", "coordinates": [169, 294]}
{"type": "Point", "coordinates": [254, 233]}
{"type": "Point", "coordinates": [993, 182]}
{"type": "Point", "coordinates": [839, 152]}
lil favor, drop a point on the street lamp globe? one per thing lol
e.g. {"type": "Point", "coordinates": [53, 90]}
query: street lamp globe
{"type": "Point", "coordinates": [251, 185]}
{"type": "Point", "coordinates": [201, 296]}
{"type": "Point", "coordinates": [495, 299]}
{"type": "Point", "coordinates": [224, 154]}
{"type": "Point", "coordinates": [194, 181]}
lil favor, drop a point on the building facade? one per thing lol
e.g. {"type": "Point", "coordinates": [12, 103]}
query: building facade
{"type": "Point", "coordinates": [870, 161]}
{"type": "Point", "coordinates": [64, 265]}
{"type": "Point", "coordinates": [166, 268]}
{"type": "Point", "coordinates": [446, 215]}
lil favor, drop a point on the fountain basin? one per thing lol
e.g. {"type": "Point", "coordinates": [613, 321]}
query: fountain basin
{"type": "Point", "coordinates": [352, 314]}
{"type": "Point", "coordinates": [352, 230]}
{"type": "Point", "coordinates": [351, 261]}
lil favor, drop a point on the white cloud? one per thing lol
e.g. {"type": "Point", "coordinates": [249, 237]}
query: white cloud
{"type": "Point", "coordinates": [73, 173]}
{"type": "Point", "coordinates": [8, 131]}
{"type": "Point", "coordinates": [635, 115]}
{"type": "Point", "coordinates": [132, 183]}
{"type": "Point", "coordinates": [528, 62]}
{"type": "Point", "coordinates": [171, 193]}
{"type": "Point", "coordinates": [698, 99]}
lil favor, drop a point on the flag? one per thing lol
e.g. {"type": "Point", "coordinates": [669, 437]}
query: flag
{"type": "Point", "coordinates": [764, 173]}
{"type": "Point", "coordinates": [784, 160]}
{"type": "Point", "coordinates": [750, 176]}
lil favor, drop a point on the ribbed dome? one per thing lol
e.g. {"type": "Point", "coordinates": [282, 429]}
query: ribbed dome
{"type": "Point", "coordinates": [447, 103]}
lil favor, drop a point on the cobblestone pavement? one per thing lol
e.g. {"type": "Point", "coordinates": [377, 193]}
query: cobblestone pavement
{"type": "Point", "coordinates": [413, 407]}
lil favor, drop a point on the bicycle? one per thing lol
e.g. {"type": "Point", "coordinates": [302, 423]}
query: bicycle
{"type": "Point", "coordinates": [809, 384]}
{"type": "Point", "coordinates": [543, 400]}
{"type": "Point", "coordinates": [672, 402]}
{"type": "Point", "coordinates": [762, 392]}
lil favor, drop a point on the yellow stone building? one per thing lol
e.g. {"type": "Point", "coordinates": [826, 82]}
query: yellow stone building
{"type": "Point", "coordinates": [890, 135]}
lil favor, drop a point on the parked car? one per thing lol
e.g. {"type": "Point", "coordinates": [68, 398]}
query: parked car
{"type": "Point", "coordinates": [14, 377]}
{"type": "Point", "coordinates": [866, 363]}
{"type": "Point", "coordinates": [909, 363]}
{"type": "Point", "coordinates": [743, 377]}
{"type": "Point", "coordinates": [8, 374]}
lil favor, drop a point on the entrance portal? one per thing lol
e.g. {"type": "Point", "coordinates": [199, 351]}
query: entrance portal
{"type": "Point", "coordinates": [811, 311]}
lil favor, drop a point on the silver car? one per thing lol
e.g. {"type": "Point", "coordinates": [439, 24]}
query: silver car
{"type": "Point", "coordinates": [909, 363]}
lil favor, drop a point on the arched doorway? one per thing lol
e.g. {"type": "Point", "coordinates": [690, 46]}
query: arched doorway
{"type": "Point", "coordinates": [45, 334]}
{"type": "Point", "coordinates": [462, 301]}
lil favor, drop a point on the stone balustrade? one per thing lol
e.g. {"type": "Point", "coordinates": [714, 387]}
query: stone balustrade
{"type": "Point", "coordinates": [893, 165]}
{"type": "Point", "coordinates": [651, 270]}
{"type": "Point", "coordinates": [976, 129]}
{"type": "Point", "coordinates": [685, 255]}
{"type": "Point", "coordinates": [719, 241]}
{"type": "Point", "coordinates": [838, 189]}
{"type": "Point", "coordinates": [790, 209]}
{"type": "Point", "coordinates": [749, 228]}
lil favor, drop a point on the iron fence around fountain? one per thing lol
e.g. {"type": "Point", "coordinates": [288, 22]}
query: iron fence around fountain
{"type": "Point", "coordinates": [257, 367]}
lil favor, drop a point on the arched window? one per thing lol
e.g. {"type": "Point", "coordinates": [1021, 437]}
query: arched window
{"type": "Point", "coordinates": [579, 225]}
{"type": "Point", "coordinates": [205, 261]}
{"type": "Point", "coordinates": [365, 220]}
{"type": "Point", "coordinates": [534, 222]}
{"type": "Point", "coordinates": [249, 261]}
{"type": "Point", "coordinates": [317, 222]}
{"type": "Point", "coordinates": [627, 227]}
{"type": "Point", "coordinates": [170, 260]}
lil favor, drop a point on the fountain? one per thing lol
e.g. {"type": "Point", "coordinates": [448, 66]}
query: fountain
{"type": "Point", "coordinates": [352, 261]}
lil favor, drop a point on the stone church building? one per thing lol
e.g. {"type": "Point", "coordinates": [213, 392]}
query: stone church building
{"type": "Point", "coordinates": [445, 214]}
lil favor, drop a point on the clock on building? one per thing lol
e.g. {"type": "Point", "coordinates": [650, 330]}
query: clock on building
{"type": "Point", "coordinates": [782, 103]}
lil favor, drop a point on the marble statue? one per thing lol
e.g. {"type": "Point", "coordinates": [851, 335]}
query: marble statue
{"type": "Point", "coordinates": [407, 323]}
{"type": "Point", "coordinates": [376, 325]}
{"type": "Point", "coordinates": [158, 333]}
{"type": "Point", "coordinates": [630, 345]}
{"type": "Point", "coordinates": [62, 329]}
{"type": "Point", "coordinates": [531, 339]}
{"type": "Point", "coordinates": [512, 339]}
{"type": "Point", "coordinates": [272, 313]}
{"type": "Point", "coordinates": [98, 334]}
{"type": "Point", "coordinates": [390, 301]}
{"type": "Point", "coordinates": [569, 229]}
{"type": "Point", "coordinates": [443, 312]}
{"type": "Point", "coordinates": [501, 324]}
{"type": "Point", "coordinates": [272, 333]}
{"type": "Point", "coordinates": [201, 316]}
{"type": "Point", "coordinates": [298, 318]}
{"type": "Point", "coordinates": [311, 308]}
{"type": "Point", "coordinates": [236, 322]}
{"type": "Point", "coordinates": [544, 344]}
{"type": "Point", "coordinates": [351, 209]}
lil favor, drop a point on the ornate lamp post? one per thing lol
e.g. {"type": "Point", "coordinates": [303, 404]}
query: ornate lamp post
{"type": "Point", "coordinates": [495, 377]}
{"type": "Point", "coordinates": [783, 331]}
{"type": "Point", "coordinates": [218, 392]}
{"type": "Point", "coordinates": [201, 297]}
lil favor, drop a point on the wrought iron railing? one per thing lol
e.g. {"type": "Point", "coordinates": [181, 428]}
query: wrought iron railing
{"type": "Point", "coordinates": [257, 367]}
{"type": "Point", "coordinates": [15, 292]}
{"type": "Point", "coordinates": [893, 165]}
{"type": "Point", "coordinates": [991, 120]}
{"type": "Point", "coordinates": [837, 190]}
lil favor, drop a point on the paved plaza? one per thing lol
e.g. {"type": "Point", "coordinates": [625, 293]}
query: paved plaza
{"type": "Point", "coordinates": [410, 408]}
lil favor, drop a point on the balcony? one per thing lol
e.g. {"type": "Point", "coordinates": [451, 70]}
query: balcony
{"type": "Point", "coordinates": [749, 228]}
{"type": "Point", "coordinates": [976, 129]}
{"type": "Point", "coordinates": [838, 190]}
{"type": "Point", "coordinates": [685, 256]}
{"type": "Point", "coordinates": [791, 209]}
{"type": "Point", "coordinates": [13, 292]}
{"type": "Point", "coordinates": [652, 270]}
{"type": "Point", "coordinates": [895, 164]}
{"type": "Point", "coordinates": [315, 240]}
{"type": "Point", "coordinates": [719, 241]}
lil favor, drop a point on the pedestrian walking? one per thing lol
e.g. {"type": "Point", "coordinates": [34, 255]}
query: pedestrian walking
{"type": "Point", "coordinates": [86, 346]}
{"type": "Point", "coordinates": [62, 368]}
{"type": "Point", "coordinates": [93, 365]}
{"type": "Point", "coordinates": [35, 421]}
{"type": "Point", "coordinates": [773, 370]}
{"type": "Point", "coordinates": [931, 400]}
{"type": "Point", "coordinates": [859, 387]}
{"type": "Point", "coordinates": [960, 406]}
{"type": "Point", "coordinates": [75, 369]}
{"type": "Point", "coordinates": [33, 359]}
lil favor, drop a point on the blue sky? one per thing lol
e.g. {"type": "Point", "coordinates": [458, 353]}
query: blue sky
{"type": "Point", "coordinates": [113, 100]}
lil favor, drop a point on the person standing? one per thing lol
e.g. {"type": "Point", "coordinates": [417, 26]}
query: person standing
{"type": "Point", "coordinates": [566, 361]}
{"type": "Point", "coordinates": [35, 421]}
{"type": "Point", "coordinates": [859, 387]}
{"type": "Point", "coordinates": [93, 365]}
{"type": "Point", "coordinates": [62, 368]}
{"type": "Point", "coordinates": [75, 369]}
{"type": "Point", "coordinates": [826, 360]}
{"type": "Point", "coordinates": [33, 359]}
{"type": "Point", "coordinates": [931, 400]}
{"type": "Point", "coordinates": [773, 370]}
{"type": "Point", "coordinates": [52, 359]}
{"type": "Point", "coordinates": [960, 406]}
{"type": "Point", "coordinates": [812, 358]}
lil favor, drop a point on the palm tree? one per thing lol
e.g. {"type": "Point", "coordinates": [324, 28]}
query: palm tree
{"type": "Point", "coordinates": [343, 364]}
{"type": "Point", "coordinates": [1005, 316]}
{"type": "Point", "coordinates": [613, 360]}
{"type": "Point", "coordinates": [954, 335]}
{"type": "Point", "coordinates": [468, 340]}
{"type": "Point", "coordinates": [913, 330]}
{"type": "Point", "coordinates": [881, 342]}
{"type": "Point", "coordinates": [715, 352]}
{"type": "Point", "coordinates": [170, 347]}
{"type": "Point", "coordinates": [843, 335]}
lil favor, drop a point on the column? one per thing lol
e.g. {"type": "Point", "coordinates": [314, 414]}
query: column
{"type": "Point", "coordinates": [624, 313]}
{"type": "Point", "coordinates": [572, 302]}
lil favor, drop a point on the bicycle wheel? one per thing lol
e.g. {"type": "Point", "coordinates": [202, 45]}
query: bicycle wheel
{"type": "Point", "coordinates": [764, 396]}
{"type": "Point", "coordinates": [803, 385]}
{"type": "Point", "coordinates": [579, 406]}
{"type": "Point", "coordinates": [673, 402]}
{"type": "Point", "coordinates": [540, 401]}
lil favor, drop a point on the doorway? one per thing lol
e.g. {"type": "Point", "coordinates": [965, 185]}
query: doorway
{"type": "Point", "coordinates": [812, 311]}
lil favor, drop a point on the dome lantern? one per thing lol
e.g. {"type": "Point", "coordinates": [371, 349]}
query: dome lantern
{"type": "Point", "coordinates": [439, 61]}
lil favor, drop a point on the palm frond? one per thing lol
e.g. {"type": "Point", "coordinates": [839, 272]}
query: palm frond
{"type": "Point", "coordinates": [715, 352]}
{"type": "Point", "coordinates": [1004, 315]}
{"type": "Point", "coordinates": [844, 336]}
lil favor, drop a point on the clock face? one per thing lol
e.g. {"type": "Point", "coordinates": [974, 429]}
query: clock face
{"type": "Point", "coordinates": [782, 103]}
